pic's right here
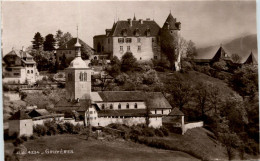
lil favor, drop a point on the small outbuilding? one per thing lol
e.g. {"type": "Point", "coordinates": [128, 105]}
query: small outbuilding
{"type": "Point", "coordinates": [174, 121]}
{"type": "Point", "coordinates": [21, 124]}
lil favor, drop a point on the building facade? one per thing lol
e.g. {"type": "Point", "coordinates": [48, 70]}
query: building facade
{"type": "Point", "coordinates": [19, 67]}
{"type": "Point", "coordinates": [140, 37]}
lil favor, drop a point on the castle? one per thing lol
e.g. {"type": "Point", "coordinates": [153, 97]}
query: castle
{"type": "Point", "coordinates": [141, 37]}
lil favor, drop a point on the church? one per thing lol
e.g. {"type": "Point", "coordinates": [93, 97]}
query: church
{"type": "Point", "coordinates": [106, 107]}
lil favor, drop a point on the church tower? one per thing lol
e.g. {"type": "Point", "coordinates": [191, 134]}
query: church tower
{"type": "Point", "coordinates": [78, 77]}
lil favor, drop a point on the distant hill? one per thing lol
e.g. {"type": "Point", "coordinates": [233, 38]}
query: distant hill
{"type": "Point", "coordinates": [241, 46]}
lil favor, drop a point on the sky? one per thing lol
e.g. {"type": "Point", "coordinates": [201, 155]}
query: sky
{"type": "Point", "coordinates": [204, 22]}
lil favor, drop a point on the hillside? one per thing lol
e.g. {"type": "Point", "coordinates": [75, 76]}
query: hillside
{"type": "Point", "coordinates": [241, 46]}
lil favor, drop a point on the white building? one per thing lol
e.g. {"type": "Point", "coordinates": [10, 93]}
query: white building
{"type": "Point", "coordinates": [19, 67]}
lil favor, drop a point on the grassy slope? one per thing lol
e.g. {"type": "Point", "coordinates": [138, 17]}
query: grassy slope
{"type": "Point", "coordinates": [198, 141]}
{"type": "Point", "coordinates": [96, 150]}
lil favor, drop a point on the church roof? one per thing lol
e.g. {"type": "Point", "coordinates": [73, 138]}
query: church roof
{"type": "Point", "coordinates": [136, 25]}
{"type": "Point", "coordinates": [157, 100]}
{"type": "Point", "coordinates": [251, 60]}
{"type": "Point", "coordinates": [121, 96]}
{"type": "Point", "coordinates": [172, 22]}
{"type": "Point", "coordinates": [20, 115]}
{"type": "Point", "coordinates": [221, 54]}
{"type": "Point", "coordinates": [77, 62]}
{"type": "Point", "coordinates": [65, 105]}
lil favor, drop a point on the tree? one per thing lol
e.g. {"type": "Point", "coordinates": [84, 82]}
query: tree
{"type": "Point", "coordinates": [191, 50]}
{"type": "Point", "coordinates": [202, 97]}
{"type": "Point", "coordinates": [44, 59]}
{"type": "Point", "coordinates": [214, 97]}
{"type": "Point", "coordinates": [65, 38]}
{"type": "Point", "coordinates": [128, 62]}
{"type": "Point", "coordinates": [37, 41]}
{"type": "Point", "coordinates": [220, 65]}
{"type": "Point", "coordinates": [58, 37]}
{"type": "Point", "coordinates": [230, 141]}
{"type": "Point", "coordinates": [114, 68]}
{"type": "Point", "coordinates": [49, 43]}
{"type": "Point", "coordinates": [180, 91]}
{"type": "Point", "coordinates": [235, 58]}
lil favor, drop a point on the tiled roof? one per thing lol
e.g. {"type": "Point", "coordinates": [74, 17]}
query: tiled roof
{"type": "Point", "coordinates": [176, 112]}
{"type": "Point", "coordinates": [64, 105]}
{"type": "Point", "coordinates": [18, 54]}
{"type": "Point", "coordinates": [20, 115]}
{"type": "Point", "coordinates": [121, 96]}
{"type": "Point", "coordinates": [142, 28]}
{"type": "Point", "coordinates": [251, 60]}
{"type": "Point", "coordinates": [157, 100]}
{"type": "Point", "coordinates": [125, 113]}
{"type": "Point", "coordinates": [38, 112]}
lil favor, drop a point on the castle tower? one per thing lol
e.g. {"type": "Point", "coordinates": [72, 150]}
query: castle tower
{"type": "Point", "coordinates": [78, 77]}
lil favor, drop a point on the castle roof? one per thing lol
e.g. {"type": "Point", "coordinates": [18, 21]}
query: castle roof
{"type": "Point", "coordinates": [20, 115]}
{"type": "Point", "coordinates": [251, 60]}
{"type": "Point", "coordinates": [140, 26]}
{"type": "Point", "coordinates": [172, 23]}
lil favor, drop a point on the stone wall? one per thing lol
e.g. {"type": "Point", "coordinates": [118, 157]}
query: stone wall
{"type": "Point", "coordinates": [192, 125]}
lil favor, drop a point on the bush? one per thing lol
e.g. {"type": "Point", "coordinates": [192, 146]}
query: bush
{"type": "Point", "coordinates": [18, 141]}
{"type": "Point", "coordinates": [24, 138]}
{"type": "Point", "coordinates": [40, 130]}
{"type": "Point", "coordinates": [46, 92]}
{"type": "Point", "coordinates": [77, 129]}
{"type": "Point", "coordinates": [158, 132]}
{"type": "Point", "coordinates": [148, 132]}
{"type": "Point", "coordinates": [51, 128]}
{"type": "Point", "coordinates": [165, 131]}
{"type": "Point", "coordinates": [61, 128]}
{"type": "Point", "coordinates": [69, 127]}
{"type": "Point", "coordinates": [32, 137]}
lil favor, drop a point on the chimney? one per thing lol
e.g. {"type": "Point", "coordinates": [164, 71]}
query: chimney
{"type": "Point", "coordinates": [141, 21]}
{"type": "Point", "coordinates": [130, 22]}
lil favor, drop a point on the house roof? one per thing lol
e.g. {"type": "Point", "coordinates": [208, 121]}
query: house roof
{"type": "Point", "coordinates": [125, 112]}
{"type": "Point", "coordinates": [157, 101]}
{"type": "Point", "coordinates": [176, 112]}
{"type": "Point", "coordinates": [20, 115]}
{"type": "Point", "coordinates": [70, 45]}
{"type": "Point", "coordinates": [172, 22]}
{"type": "Point", "coordinates": [65, 105]}
{"type": "Point", "coordinates": [119, 26]}
{"type": "Point", "coordinates": [40, 112]}
{"type": "Point", "coordinates": [251, 60]}
{"type": "Point", "coordinates": [121, 96]}
{"type": "Point", "coordinates": [11, 58]}
{"type": "Point", "coordinates": [221, 54]}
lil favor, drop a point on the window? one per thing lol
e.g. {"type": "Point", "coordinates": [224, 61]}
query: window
{"type": "Point", "coordinates": [119, 106]}
{"type": "Point", "coordinates": [108, 41]}
{"type": "Point", "coordinates": [155, 111]}
{"type": "Point", "coordinates": [155, 57]}
{"type": "Point", "coordinates": [128, 48]}
{"type": "Point", "coordinates": [85, 76]}
{"type": "Point", "coordinates": [28, 71]}
{"type": "Point", "coordinates": [81, 76]}
{"type": "Point", "coordinates": [111, 106]}
{"type": "Point", "coordinates": [127, 105]}
{"type": "Point", "coordinates": [120, 40]}
{"type": "Point", "coordinates": [139, 48]}
{"type": "Point", "coordinates": [70, 52]}
{"type": "Point", "coordinates": [153, 39]}
{"type": "Point", "coordinates": [91, 112]}
{"type": "Point", "coordinates": [162, 111]}
{"type": "Point", "coordinates": [121, 48]}
{"type": "Point", "coordinates": [31, 71]}
{"type": "Point", "coordinates": [128, 40]}
{"type": "Point", "coordinates": [138, 39]}
{"type": "Point", "coordinates": [103, 106]}
{"type": "Point", "coordinates": [135, 105]}
{"type": "Point", "coordinates": [16, 74]}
